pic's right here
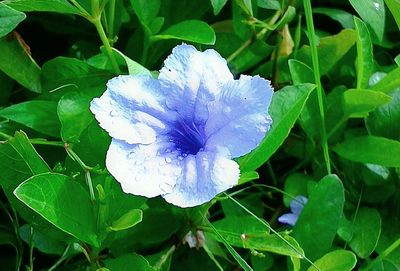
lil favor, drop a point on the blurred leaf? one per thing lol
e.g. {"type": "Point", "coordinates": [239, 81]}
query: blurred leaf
{"type": "Point", "coordinates": [75, 117]}
{"type": "Point", "coordinates": [389, 82]}
{"type": "Point", "coordinates": [365, 58]}
{"type": "Point", "coordinates": [146, 10]}
{"type": "Point", "coordinates": [41, 116]}
{"type": "Point", "coordinates": [128, 262]}
{"type": "Point", "coordinates": [295, 184]}
{"type": "Point", "coordinates": [330, 50]}
{"type": "Point", "coordinates": [359, 102]}
{"type": "Point", "coordinates": [373, 13]}
{"type": "Point", "coordinates": [337, 260]}
{"type": "Point", "coordinates": [127, 220]}
{"type": "Point", "coordinates": [285, 108]}
{"type": "Point", "coordinates": [61, 201]}
{"type": "Point", "coordinates": [60, 6]}
{"type": "Point", "coordinates": [343, 17]}
{"type": "Point", "coordinates": [190, 30]}
{"type": "Point", "coordinates": [385, 119]}
{"type": "Point", "coordinates": [394, 7]}
{"type": "Point", "coordinates": [42, 241]}
{"type": "Point", "coordinates": [9, 19]}
{"type": "Point", "coordinates": [269, 4]}
{"type": "Point", "coordinates": [366, 232]}
{"type": "Point", "coordinates": [320, 215]}
{"type": "Point", "coordinates": [370, 149]}
{"type": "Point", "coordinates": [246, 6]}
{"type": "Point", "coordinates": [218, 5]}
{"type": "Point", "coordinates": [22, 68]}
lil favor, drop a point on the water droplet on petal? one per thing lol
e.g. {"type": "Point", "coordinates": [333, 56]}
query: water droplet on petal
{"type": "Point", "coordinates": [168, 159]}
{"type": "Point", "coordinates": [113, 113]}
{"type": "Point", "coordinates": [180, 158]}
{"type": "Point", "coordinates": [227, 110]}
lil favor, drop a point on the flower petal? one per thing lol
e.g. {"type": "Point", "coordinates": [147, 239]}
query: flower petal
{"type": "Point", "coordinates": [192, 79]}
{"type": "Point", "coordinates": [289, 219]}
{"type": "Point", "coordinates": [132, 109]}
{"type": "Point", "coordinates": [239, 118]}
{"type": "Point", "coordinates": [297, 205]}
{"type": "Point", "coordinates": [145, 170]}
{"type": "Point", "coordinates": [204, 176]}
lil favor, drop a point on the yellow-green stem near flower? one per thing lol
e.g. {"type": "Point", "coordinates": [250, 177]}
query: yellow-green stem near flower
{"type": "Point", "coordinates": [315, 62]}
{"type": "Point", "coordinates": [106, 43]}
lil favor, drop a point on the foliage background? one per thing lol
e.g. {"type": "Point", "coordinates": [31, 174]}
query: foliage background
{"type": "Point", "coordinates": [335, 137]}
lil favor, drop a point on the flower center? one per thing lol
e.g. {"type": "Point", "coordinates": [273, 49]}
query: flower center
{"type": "Point", "coordinates": [188, 137]}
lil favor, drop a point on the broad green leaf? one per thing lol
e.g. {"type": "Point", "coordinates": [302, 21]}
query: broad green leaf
{"type": "Point", "coordinates": [385, 119]}
{"type": "Point", "coordinates": [218, 5]}
{"type": "Point", "coordinates": [41, 240]}
{"type": "Point", "coordinates": [359, 102]}
{"type": "Point", "coordinates": [248, 176]}
{"type": "Point", "coordinates": [366, 232]}
{"type": "Point", "coordinates": [9, 19]}
{"type": "Point", "coordinates": [269, 4]}
{"type": "Point", "coordinates": [247, 232]}
{"type": "Point", "coordinates": [63, 74]}
{"type": "Point", "coordinates": [134, 68]}
{"type": "Point", "coordinates": [246, 6]}
{"type": "Point", "coordinates": [127, 220]}
{"type": "Point", "coordinates": [63, 202]}
{"type": "Point", "coordinates": [343, 17]}
{"type": "Point", "coordinates": [390, 82]}
{"type": "Point", "coordinates": [337, 260]}
{"type": "Point", "coordinates": [190, 30]}
{"type": "Point", "coordinates": [394, 7]}
{"type": "Point", "coordinates": [285, 108]}
{"type": "Point", "coordinates": [330, 50]}
{"type": "Point", "coordinates": [146, 10]}
{"type": "Point", "coordinates": [41, 116]}
{"type": "Point", "coordinates": [22, 68]}
{"type": "Point", "coordinates": [75, 117]}
{"type": "Point", "coordinates": [373, 13]}
{"type": "Point", "coordinates": [128, 262]}
{"type": "Point", "coordinates": [320, 215]}
{"type": "Point", "coordinates": [60, 6]}
{"type": "Point", "coordinates": [365, 58]}
{"type": "Point", "coordinates": [370, 149]}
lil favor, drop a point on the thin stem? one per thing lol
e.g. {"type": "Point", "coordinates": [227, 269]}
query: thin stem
{"type": "Point", "coordinates": [381, 256]}
{"type": "Point", "coordinates": [5, 136]}
{"type": "Point", "coordinates": [106, 43]}
{"type": "Point", "coordinates": [31, 245]}
{"type": "Point", "coordinates": [314, 56]}
{"type": "Point", "coordinates": [47, 143]}
{"type": "Point", "coordinates": [81, 9]}
{"type": "Point", "coordinates": [111, 17]}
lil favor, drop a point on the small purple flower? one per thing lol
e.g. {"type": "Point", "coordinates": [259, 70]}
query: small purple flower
{"type": "Point", "coordinates": [175, 136]}
{"type": "Point", "coordinates": [296, 206]}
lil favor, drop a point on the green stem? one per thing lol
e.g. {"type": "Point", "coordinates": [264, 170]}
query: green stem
{"type": "Point", "coordinates": [31, 245]}
{"type": "Point", "coordinates": [81, 9]}
{"type": "Point", "coordinates": [381, 256]}
{"type": "Point", "coordinates": [5, 136]}
{"type": "Point", "coordinates": [111, 17]}
{"type": "Point", "coordinates": [47, 143]}
{"type": "Point", "coordinates": [106, 43]}
{"type": "Point", "coordinates": [314, 56]}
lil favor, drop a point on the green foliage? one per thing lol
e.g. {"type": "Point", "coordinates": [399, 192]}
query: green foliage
{"type": "Point", "coordinates": [333, 139]}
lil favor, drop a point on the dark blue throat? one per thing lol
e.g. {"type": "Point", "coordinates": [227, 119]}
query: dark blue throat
{"type": "Point", "coordinates": [187, 136]}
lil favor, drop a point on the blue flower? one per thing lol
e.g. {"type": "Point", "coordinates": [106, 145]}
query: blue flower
{"type": "Point", "coordinates": [175, 136]}
{"type": "Point", "coordinates": [296, 206]}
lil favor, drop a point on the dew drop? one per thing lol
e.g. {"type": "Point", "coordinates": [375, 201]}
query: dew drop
{"type": "Point", "coordinates": [168, 159]}
{"type": "Point", "coordinates": [113, 113]}
{"type": "Point", "coordinates": [180, 158]}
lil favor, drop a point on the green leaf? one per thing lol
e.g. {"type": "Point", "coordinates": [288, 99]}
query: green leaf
{"type": "Point", "coordinates": [41, 116]}
{"type": "Point", "coordinates": [134, 68]}
{"type": "Point", "coordinates": [359, 102]}
{"type": "Point", "coordinates": [365, 58]}
{"type": "Point", "coordinates": [22, 68]}
{"type": "Point", "coordinates": [75, 117]}
{"type": "Point", "coordinates": [9, 19]}
{"type": "Point", "coordinates": [296, 184]}
{"type": "Point", "coordinates": [385, 119]}
{"type": "Point", "coordinates": [269, 4]}
{"type": "Point", "coordinates": [389, 82]}
{"type": "Point", "coordinates": [248, 176]}
{"type": "Point", "coordinates": [373, 13]}
{"type": "Point", "coordinates": [63, 202]}
{"type": "Point", "coordinates": [190, 30]}
{"type": "Point", "coordinates": [128, 220]}
{"type": "Point", "coordinates": [370, 149]}
{"type": "Point", "coordinates": [343, 17]}
{"type": "Point", "coordinates": [128, 262]}
{"type": "Point", "coordinates": [146, 10]}
{"type": "Point", "coordinates": [337, 260]}
{"type": "Point", "coordinates": [60, 6]}
{"type": "Point", "coordinates": [330, 50]}
{"type": "Point", "coordinates": [394, 7]}
{"type": "Point", "coordinates": [246, 6]}
{"type": "Point", "coordinates": [285, 108]}
{"type": "Point", "coordinates": [366, 232]}
{"type": "Point", "coordinates": [218, 5]}
{"type": "Point", "coordinates": [320, 215]}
